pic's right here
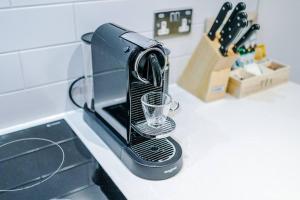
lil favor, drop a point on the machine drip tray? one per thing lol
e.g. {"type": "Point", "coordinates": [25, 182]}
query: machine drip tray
{"type": "Point", "coordinates": [157, 150]}
{"type": "Point", "coordinates": [144, 130]}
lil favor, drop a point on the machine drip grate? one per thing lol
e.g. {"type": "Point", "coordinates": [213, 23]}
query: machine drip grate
{"type": "Point", "coordinates": [145, 130]}
{"type": "Point", "coordinates": [156, 150]}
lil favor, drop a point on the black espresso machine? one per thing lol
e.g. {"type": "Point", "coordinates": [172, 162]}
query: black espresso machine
{"type": "Point", "coordinates": [126, 65]}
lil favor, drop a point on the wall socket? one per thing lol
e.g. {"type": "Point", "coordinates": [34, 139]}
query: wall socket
{"type": "Point", "coordinates": [175, 22]}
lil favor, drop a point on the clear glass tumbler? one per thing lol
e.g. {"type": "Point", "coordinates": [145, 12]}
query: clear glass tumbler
{"type": "Point", "coordinates": [156, 107]}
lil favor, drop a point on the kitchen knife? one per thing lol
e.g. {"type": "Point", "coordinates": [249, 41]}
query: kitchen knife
{"type": "Point", "coordinates": [246, 36]}
{"type": "Point", "coordinates": [227, 30]}
{"type": "Point", "coordinates": [238, 25]}
{"type": "Point", "coordinates": [238, 8]}
{"type": "Point", "coordinates": [227, 6]}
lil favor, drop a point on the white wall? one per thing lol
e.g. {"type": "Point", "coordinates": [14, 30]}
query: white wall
{"type": "Point", "coordinates": [280, 31]}
{"type": "Point", "coordinates": [40, 47]}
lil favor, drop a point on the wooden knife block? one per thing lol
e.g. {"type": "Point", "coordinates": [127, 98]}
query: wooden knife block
{"type": "Point", "coordinates": [207, 73]}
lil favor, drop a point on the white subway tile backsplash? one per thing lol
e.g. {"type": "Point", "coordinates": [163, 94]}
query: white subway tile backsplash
{"type": "Point", "coordinates": [36, 2]}
{"type": "Point", "coordinates": [10, 73]}
{"type": "Point", "coordinates": [51, 64]}
{"type": "Point", "coordinates": [4, 3]}
{"type": "Point", "coordinates": [40, 52]}
{"type": "Point", "coordinates": [27, 105]}
{"type": "Point", "coordinates": [90, 15]}
{"type": "Point", "coordinates": [177, 66]}
{"type": "Point", "coordinates": [30, 27]}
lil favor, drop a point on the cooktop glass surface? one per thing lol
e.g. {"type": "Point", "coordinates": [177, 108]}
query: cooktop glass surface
{"type": "Point", "coordinates": [50, 162]}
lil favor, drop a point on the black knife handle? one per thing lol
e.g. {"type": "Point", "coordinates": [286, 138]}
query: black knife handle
{"type": "Point", "coordinates": [227, 6]}
{"type": "Point", "coordinates": [238, 8]}
{"type": "Point", "coordinates": [246, 36]}
{"type": "Point", "coordinates": [239, 24]}
{"type": "Point", "coordinates": [226, 30]}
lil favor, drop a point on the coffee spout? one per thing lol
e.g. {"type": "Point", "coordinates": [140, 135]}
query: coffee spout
{"type": "Point", "coordinates": [156, 70]}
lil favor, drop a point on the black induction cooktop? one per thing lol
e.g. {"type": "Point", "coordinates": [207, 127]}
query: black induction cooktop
{"type": "Point", "coordinates": [50, 162]}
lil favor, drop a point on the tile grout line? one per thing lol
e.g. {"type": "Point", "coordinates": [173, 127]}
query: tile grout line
{"type": "Point", "coordinates": [41, 47]}
{"type": "Point", "coordinates": [257, 8]}
{"type": "Point", "coordinates": [22, 69]}
{"type": "Point", "coordinates": [52, 4]}
{"type": "Point", "coordinates": [60, 81]}
{"type": "Point", "coordinates": [74, 21]}
{"type": "Point", "coordinates": [74, 42]}
{"type": "Point", "coordinates": [37, 87]}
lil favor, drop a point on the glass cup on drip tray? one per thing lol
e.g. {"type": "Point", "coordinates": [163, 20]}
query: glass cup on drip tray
{"type": "Point", "coordinates": [156, 107]}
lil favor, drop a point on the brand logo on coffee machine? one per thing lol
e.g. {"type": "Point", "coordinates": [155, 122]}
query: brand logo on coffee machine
{"type": "Point", "coordinates": [170, 170]}
{"type": "Point", "coordinates": [53, 124]}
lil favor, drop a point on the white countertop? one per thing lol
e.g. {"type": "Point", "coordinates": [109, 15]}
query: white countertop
{"type": "Point", "coordinates": [235, 149]}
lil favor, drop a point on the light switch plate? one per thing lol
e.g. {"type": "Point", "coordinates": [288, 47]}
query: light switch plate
{"type": "Point", "coordinates": [175, 22]}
